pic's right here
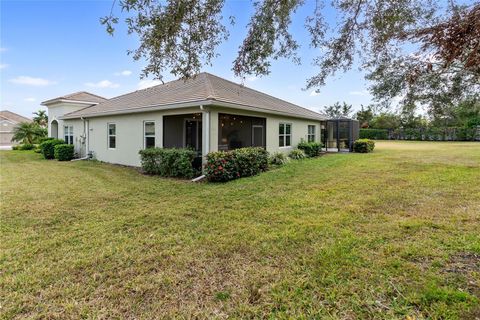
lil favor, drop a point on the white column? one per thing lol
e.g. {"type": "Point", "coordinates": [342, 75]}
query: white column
{"type": "Point", "coordinates": [159, 134]}
{"type": "Point", "coordinates": [205, 132]}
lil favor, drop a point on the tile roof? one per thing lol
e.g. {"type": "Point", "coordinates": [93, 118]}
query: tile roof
{"type": "Point", "coordinates": [202, 88]}
{"type": "Point", "coordinates": [12, 116]}
{"type": "Point", "coordinates": [78, 96]}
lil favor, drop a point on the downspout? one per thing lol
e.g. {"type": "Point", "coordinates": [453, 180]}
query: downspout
{"type": "Point", "coordinates": [85, 132]}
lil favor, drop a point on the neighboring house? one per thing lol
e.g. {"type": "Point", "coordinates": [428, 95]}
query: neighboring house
{"type": "Point", "coordinates": [206, 113]}
{"type": "Point", "coordinates": [8, 121]}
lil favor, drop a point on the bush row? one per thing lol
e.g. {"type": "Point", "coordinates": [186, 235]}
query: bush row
{"type": "Point", "coordinates": [168, 162]}
{"type": "Point", "coordinates": [229, 165]}
{"type": "Point", "coordinates": [423, 134]}
{"type": "Point", "coordinates": [363, 145]}
{"type": "Point", "coordinates": [377, 134]}
{"type": "Point", "coordinates": [23, 146]}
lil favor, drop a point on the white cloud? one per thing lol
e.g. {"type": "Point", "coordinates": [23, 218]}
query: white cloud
{"type": "Point", "coordinates": [123, 73]}
{"type": "Point", "coordinates": [3, 66]}
{"type": "Point", "coordinates": [359, 93]}
{"type": "Point", "coordinates": [314, 93]}
{"type": "Point", "coordinates": [31, 81]}
{"type": "Point", "coordinates": [30, 99]}
{"type": "Point", "coordinates": [102, 84]}
{"type": "Point", "coordinates": [252, 78]}
{"type": "Point", "coordinates": [148, 83]}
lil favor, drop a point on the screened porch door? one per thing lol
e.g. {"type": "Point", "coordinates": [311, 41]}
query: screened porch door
{"type": "Point", "coordinates": [193, 134]}
{"type": "Point", "coordinates": [257, 136]}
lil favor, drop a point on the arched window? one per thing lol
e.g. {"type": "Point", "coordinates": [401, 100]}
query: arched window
{"type": "Point", "coordinates": [54, 129]}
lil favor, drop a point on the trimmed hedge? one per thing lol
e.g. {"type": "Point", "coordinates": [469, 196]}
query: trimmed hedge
{"type": "Point", "coordinates": [63, 152]}
{"type": "Point", "coordinates": [229, 165]}
{"type": "Point", "coordinates": [48, 147]}
{"type": "Point", "coordinates": [363, 145]}
{"type": "Point", "coordinates": [376, 134]}
{"type": "Point", "coordinates": [311, 149]}
{"type": "Point", "coordinates": [174, 162]}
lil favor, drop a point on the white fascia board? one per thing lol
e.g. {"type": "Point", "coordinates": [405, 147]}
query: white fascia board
{"type": "Point", "coordinates": [51, 103]}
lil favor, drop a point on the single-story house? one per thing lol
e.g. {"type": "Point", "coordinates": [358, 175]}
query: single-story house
{"type": "Point", "coordinates": [8, 121]}
{"type": "Point", "coordinates": [206, 113]}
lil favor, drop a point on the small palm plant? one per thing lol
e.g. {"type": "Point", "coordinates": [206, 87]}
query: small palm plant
{"type": "Point", "coordinates": [28, 132]}
{"type": "Point", "coordinates": [41, 118]}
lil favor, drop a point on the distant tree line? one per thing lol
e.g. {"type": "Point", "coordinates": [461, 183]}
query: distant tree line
{"type": "Point", "coordinates": [458, 122]}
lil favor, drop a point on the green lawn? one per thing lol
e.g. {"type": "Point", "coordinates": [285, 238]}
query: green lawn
{"type": "Point", "coordinates": [388, 235]}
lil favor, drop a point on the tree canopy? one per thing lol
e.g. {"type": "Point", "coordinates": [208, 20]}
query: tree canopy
{"type": "Point", "coordinates": [338, 110]}
{"type": "Point", "coordinates": [416, 51]}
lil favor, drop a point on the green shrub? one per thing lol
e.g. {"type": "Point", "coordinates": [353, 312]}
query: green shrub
{"type": "Point", "coordinates": [363, 145]}
{"type": "Point", "coordinates": [26, 146]}
{"type": "Point", "coordinates": [37, 150]}
{"type": "Point", "coordinates": [278, 159]}
{"type": "Point", "coordinates": [48, 147]}
{"type": "Point", "coordinates": [230, 165]}
{"type": "Point", "coordinates": [40, 140]}
{"type": "Point", "coordinates": [221, 166]}
{"type": "Point", "coordinates": [15, 147]}
{"type": "Point", "coordinates": [251, 161]}
{"type": "Point", "coordinates": [168, 162]}
{"type": "Point", "coordinates": [311, 149]}
{"type": "Point", "coordinates": [63, 152]}
{"type": "Point", "coordinates": [376, 134]}
{"type": "Point", "coordinates": [297, 154]}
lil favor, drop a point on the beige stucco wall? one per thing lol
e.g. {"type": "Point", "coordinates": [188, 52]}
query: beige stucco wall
{"type": "Point", "coordinates": [6, 132]}
{"type": "Point", "coordinates": [129, 132]}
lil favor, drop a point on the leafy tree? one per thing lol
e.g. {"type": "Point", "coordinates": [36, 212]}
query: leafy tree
{"type": "Point", "coordinates": [365, 116]}
{"type": "Point", "coordinates": [41, 118]}
{"type": "Point", "coordinates": [338, 110]}
{"type": "Point", "coordinates": [28, 132]}
{"type": "Point", "coordinates": [386, 120]}
{"type": "Point", "coordinates": [414, 49]}
{"type": "Point", "coordinates": [464, 114]}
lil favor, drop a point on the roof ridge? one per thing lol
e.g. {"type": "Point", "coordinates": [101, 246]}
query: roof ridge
{"type": "Point", "coordinates": [81, 109]}
{"type": "Point", "coordinates": [208, 83]}
{"type": "Point", "coordinates": [79, 92]}
{"type": "Point", "coordinates": [13, 113]}
{"type": "Point", "coordinates": [263, 93]}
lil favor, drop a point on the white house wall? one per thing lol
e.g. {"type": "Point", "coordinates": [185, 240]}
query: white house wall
{"type": "Point", "coordinates": [57, 110]}
{"type": "Point", "coordinates": [130, 136]}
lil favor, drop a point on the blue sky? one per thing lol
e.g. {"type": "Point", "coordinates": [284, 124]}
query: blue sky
{"type": "Point", "coordinates": [52, 48]}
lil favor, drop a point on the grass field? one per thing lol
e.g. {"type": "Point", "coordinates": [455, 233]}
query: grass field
{"type": "Point", "coordinates": [390, 235]}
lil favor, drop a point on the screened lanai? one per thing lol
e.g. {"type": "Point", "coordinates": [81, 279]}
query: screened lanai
{"type": "Point", "coordinates": [339, 134]}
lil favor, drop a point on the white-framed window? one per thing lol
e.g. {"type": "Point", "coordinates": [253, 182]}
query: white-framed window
{"type": "Point", "coordinates": [112, 135]}
{"type": "Point", "coordinates": [68, 134]}
{"type": "Point", "coordinates": [285, 135]}
{"type": "Point", "coordinates": [311, 133]}
{"type": "Point", "coordinates": [148, 134]}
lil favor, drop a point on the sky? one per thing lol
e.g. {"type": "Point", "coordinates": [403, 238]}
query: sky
{"type": "Point", "coordinates": [53, 48]}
